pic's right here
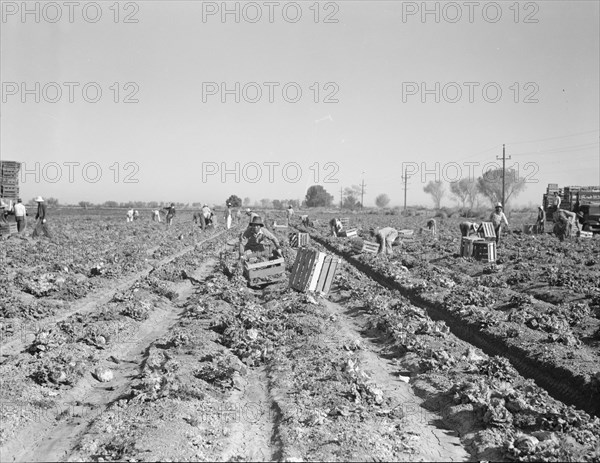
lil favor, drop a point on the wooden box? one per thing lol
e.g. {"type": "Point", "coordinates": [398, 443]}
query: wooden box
{"type": "Point", "coordinates": [348, 233]}
{"type": "Point", "coordinates": [370, 247]}
{"type": "Point", "coordinates": [405, 233]}
{"type": "Point", "coordinates": [466, 245]}
{"type": "Point", "coordinates": [264, 272]}
{"type": "Point", "coordinates": [298, 240]}
{"type": "Point", "coordinates": [484, 250]}
{"type": "Point", "coordinates": [486, 231]}
{"type": "Point", "coordinates": [279, 225]}
{"type": "Point", "coordinates": [585, 234]}
{"type": "Point", "coordinates": [8, 229]}
{"type": "Point", "coordinates": [313, 271]}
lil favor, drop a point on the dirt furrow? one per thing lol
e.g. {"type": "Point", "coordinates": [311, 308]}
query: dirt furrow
{"type": "Point", "coordinates": [53, 436]}
{"type": "Point", "coordinates": [434, 443]}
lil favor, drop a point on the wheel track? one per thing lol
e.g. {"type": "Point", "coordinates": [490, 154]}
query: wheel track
{"type": "Point", "coordinates": [560, 383]}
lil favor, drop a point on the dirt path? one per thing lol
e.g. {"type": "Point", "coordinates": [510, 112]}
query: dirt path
{"type": "Point", "coordinates": [432, 443]}
{"type": "Point", "coordinates": [252, 435]}
{"type": "Point", "coordinates": [53, 436]}
{"type": "Point", "coordinates": [93, 300]}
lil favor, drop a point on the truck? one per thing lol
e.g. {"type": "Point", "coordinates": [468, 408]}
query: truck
{"type": "Point", "coordinates": [585, 199]}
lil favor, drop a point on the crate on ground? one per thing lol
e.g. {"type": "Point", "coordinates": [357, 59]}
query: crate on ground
{"type": "Point", "coordinates": [351, 232]}
{"type": "Point", "coordinates": [486, 231]}
{"type": "Point", "coordinates": [466, 245]}
{"type": "Point", "coordinates": [586, 234]}
{"type": "Point", "coordinates": [264, 272]}
{"type": "Point", "coordinates": [298, 240]}
{"type": "Point", "coordinates": [405, 233]}
{"type": "Point", "coordinates": [280, 224]}
{"type": "Point", "coordinates": [365, 246]}
{"type": "Point", "coordinates": [484, 250]}
{"type": "Point", "coordinates": [8, 229]}
{"type": "Point", "coordinates": [313, 271]}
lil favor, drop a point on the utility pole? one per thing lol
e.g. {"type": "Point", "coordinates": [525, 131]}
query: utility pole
{"type": "Point", "coordinates": [405, 186]}
{"type": "Point", "coordinates": [504, 158]}
{"type": "Point", "coordinates": [341, 189]}
{"type": "Point", "coordinates": [362, 191]}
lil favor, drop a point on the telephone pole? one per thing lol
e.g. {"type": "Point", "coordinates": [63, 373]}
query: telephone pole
{"type": "Point", "coordinates": [405, 186]}
{"type": "Point", "coordinates": [341, 189]}
{"type": "Point", "coordinates": [362, 191]}
{"type": "Point", "coordinates": [504, 158]}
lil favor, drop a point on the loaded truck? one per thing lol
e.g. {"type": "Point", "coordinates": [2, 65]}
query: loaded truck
{"type": "Point", "coordinates": [585, 199]}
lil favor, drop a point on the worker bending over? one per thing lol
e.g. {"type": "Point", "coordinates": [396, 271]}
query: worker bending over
{"type": "Point", "coordinates": [540, 223]}
{"type": "Point", "coordinates": [468, 228]}
{"type": "Point", "coordinates": [252, 239]}
{"type": "Point", "coordinates": [385, 237]}
{"type": "Point", "coordinates": [336, 226]}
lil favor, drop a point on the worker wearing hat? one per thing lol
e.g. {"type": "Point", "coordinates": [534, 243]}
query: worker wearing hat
{"type": "Point", "coordinates": [335, 225]}
{"type": "Point", "coordinates": [252, 239]}
{"type": "Point", "coordinates": [290, 213]}
{"type": "Point", "coordinates": [385, 237]}
{"type": "Point", "coordinates": [498, 219]}
{"type": "Point", "coordinates": [20, 216]}
{"type": "Point", "coordinates": [40, 216]}
{"type": "Point", "coordinates": [170, 214]}
{"type": "Point", "coordinates": [541, 220]}
{"type": "Point", "coordinates": [206, 217]}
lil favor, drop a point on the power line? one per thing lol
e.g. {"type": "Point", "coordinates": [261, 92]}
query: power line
{"type": "Point", "coordinates": [560, 150]}
{"type": "Point", "coordinates": [553, 138]}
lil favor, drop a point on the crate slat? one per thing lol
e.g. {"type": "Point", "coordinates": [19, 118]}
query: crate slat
{"type": "Point", "coordinates": [486, 231]}
{"type": "Point", "coordinates": [484, 250]}
{"type": "Point", "coordinates": [313, 271]}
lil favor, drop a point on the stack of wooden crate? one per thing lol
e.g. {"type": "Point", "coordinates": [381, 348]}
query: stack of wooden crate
{"type": "Point", "coordinates": [313, 271]}
{"type": "Point", "coordinates": [9, 179]}
{"type": "Point", "coordinates": [485, 248]}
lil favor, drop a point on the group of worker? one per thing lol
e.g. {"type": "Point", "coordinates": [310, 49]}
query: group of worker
{"type": "Point", "coordinates": [566, 222]}
{"type": "Point", "coordinates": [20, 212]}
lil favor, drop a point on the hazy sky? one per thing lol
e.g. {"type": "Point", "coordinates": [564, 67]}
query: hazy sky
{"type": "Point", "coordinates": [368, 82]}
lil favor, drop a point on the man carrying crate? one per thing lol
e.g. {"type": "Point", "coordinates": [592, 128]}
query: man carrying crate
{"type": "Point", "coordinates": [252, 239]}
{"type": "Point", "coordinates": [385, 237]}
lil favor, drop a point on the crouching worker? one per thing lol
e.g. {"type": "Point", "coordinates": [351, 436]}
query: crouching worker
{"type": "Point", "coordinates": [385, 237]}
{"type": "Point", "coordinates": [468, 228]}
{"type": "Point", "coordinates": [432, 226]}
{"type": "Point", "coordinates": [336, 226]}
{"type": "Point", "coordinates": [252, 240]}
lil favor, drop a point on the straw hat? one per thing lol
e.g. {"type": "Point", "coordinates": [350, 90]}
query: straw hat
{"type": "Point", "coordinates": [39, 199]}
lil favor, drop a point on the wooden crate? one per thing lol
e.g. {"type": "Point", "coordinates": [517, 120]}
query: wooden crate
{"type": "Point", "coordinates": [484, 250]}
{"type": "Point", "coordinates": [586, 234]}
{"type": "Point", "coordinates": [298, 240]}
{"type": "Point", "coordinates": [486, 231]}
{"type": "Point", "coordinates": [313, 271]}
{"type": "Point", "coordinates": [351, 232]}
{"type": "Point", "coordinates": [466, 245]}
{"type": "Point", "coordinates": [372, 248]}
{"type": "Point", "coordinates": [8, 229]}
{"type": "Point", "coordinates": [264, 272]}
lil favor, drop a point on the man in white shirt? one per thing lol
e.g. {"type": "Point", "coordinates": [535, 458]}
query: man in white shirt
{"type": "Point", "coordinates": [20, 214]}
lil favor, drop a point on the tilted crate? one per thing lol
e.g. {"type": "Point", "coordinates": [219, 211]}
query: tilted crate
{"type": "Point", "coordinates": [348, 233]}
{"type": "Point", "coordinates": [297, 240]}
{"type": "Point", "coordinates": [486, 231]}
{"type": "Point", "coordinates": [585, 234]}
{"type": "Point", "coordinates": [466, 245]}
{"type": "Point", "coordinates": [264, 272]}
{"type": "Point", "coordinates": [313, 271]}
{"type": "Point", "coordinates": [279, 225]}
{"type": "Point", "coordinates": [484, 250]}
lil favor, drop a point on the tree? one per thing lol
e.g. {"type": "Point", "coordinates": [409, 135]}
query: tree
{"type": "Point", "coordinates": [234, 200]}
{"type": "Point", "coordinates": [382, 200]}
{"type": "Point", "coordinates": [351, 195]}
{"type": "Point", "coordinates": [246, 201]}
{"type": "Point", "coordinates": [85, 204]}
{"type": "Point", "coordinates": [111, 204]}
{"type": "Point", "coordinates": [460, 191]}
{"type": "Point", "coordinates": [277, 204]}
{"type": "Point", "coordinates": [317, 196]}
{"type": "Point", "coordinates": [490, 185]}
{"type": "Point", "coordinates": [436, 190]}
{"type": "Point", "coordinates": [265, 203]}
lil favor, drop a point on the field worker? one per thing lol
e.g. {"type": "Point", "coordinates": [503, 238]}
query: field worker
{"type": "Point", "coordinates": [290, 213]}
{"type": "Point", "coordinates": [252, 239]}
{"type": "Point", "coordinates": [205, 216]}
{"type": "Point", "coordinates": [136, 215]}
{"type": "Point", "coordinates": [40, 216]}
{"type": "Point", "coordinates": [431, 225]}
{"type": "Point", "coordinates": [556, 201]}
{"type": "Point", "coordinates": [563, 224]}
{"type": "Point", "coordinates": [156, 216]}
{"type": "Point", "coordinates": [305, 221]}
{"type": "Point", "coordinates": [498, 218]}
{"type": "Point", "coordinates": [20, 216]}
{"type": "Point", "coordinates": [336, 226]}
{"type": "Point", "coordinates": [130, 215]}
{"type": "Point", "coordinates": [540, 223]}
{"type": "Point", "coordinates": [3, 208]}
{"type": "Point", "coordinates": [170, 214]}
{"type": "Point", "coordinates": [238, 216]}
{"type": "Point", "coordinates": [385, 237]}
{"type": "Point", "coordinates": [228, 216]}
{"type": "Point", "coordinates": [468, 228]}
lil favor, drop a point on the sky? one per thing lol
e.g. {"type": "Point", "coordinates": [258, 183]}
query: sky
{"type": "Point", "coordinates": [191, 101]}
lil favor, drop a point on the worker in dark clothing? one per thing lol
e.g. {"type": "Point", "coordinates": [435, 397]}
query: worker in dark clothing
{"type": "Point", "coordinates": [41, 219]}
{"type": "Point", "coordinates": [336, 227]}
{"type": "Point", "coordinates": [170, 214]}
{"type": "Point", "coordinates": [541, 220]}
{"type": "Point", "coordinates": [252, 239]}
